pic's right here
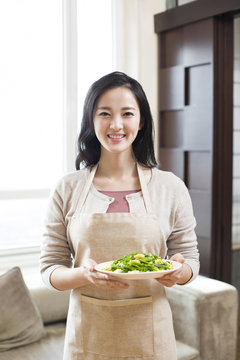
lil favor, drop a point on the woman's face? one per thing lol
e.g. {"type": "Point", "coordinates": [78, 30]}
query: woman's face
{"type": "Point", "coordinates": [117, 120]}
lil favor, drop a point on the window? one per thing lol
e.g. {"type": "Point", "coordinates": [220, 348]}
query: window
{"type": "Point", "coordinates": [36, 126]}
{"type": "Point", "coordinates": [31, 116]}
{"type": "Point", "coordinates": [95, 49]}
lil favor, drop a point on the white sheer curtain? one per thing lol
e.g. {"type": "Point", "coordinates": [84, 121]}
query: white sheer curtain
{"type": "Point", "coordinates": [30, 118]}
{"type": "Point", "coordinates": [50, 53]}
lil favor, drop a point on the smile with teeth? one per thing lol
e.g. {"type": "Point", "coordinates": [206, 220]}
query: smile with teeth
{"type": "Point", "coordinates": [113, 136]}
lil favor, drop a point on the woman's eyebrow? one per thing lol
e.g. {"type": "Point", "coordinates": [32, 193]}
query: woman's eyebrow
{"type": "Point", "coordinates": [128, 108]}
{"type": "Point", "coordinates": [103, 108]}
{"type": "Point", "coordinates": [109, 108]}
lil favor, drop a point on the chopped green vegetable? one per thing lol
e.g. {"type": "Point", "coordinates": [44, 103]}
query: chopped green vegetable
{"type": "Point", "coordinates": [138, 262]}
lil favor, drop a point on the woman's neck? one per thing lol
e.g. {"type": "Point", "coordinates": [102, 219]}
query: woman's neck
{"type": "Point", "coordinates": [116, 172]}
{"type": "Point", "coordinates": [117, 169]}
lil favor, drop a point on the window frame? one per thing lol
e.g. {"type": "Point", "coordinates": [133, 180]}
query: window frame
{"type": "Point", "coordinates": [28, 256]}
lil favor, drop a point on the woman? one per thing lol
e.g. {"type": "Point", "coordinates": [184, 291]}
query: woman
{"type": "Point", "coordinates": [119, 203]}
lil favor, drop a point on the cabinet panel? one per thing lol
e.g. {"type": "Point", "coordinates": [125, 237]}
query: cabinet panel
{"type": "Point", "coordinates": [172, 93]}
{"type": "Point", "coordinates": [198, 114]}
{"type": "Point", "coordinates": [199, 171]}
{"type": "Point", "coordinates": [198, 128]}
{"type": "Point", "coordinates": [236, 190]}
{"type": "Point", "coordinates": [172, 160]}
{"type": "Point", "coordinates": [204, 247]}
{"type": "Point", "coordinates": [171, 129]}
{"type": "Point", "coordinates": [200, 85]}
{"type": "Point", "coordinates": [172, 48]}
{"type": "Point", "coordinates": [198, 40]}
{"type": "Point", "coordinates": [236, 118]}
{"type": "Point", "coordinates": [202, 206]}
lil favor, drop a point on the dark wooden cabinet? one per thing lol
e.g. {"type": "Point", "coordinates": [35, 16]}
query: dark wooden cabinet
{"type": "Point", "coordinates": [186, 88]}
{"type": "Point", "coordinates": [195, 119]}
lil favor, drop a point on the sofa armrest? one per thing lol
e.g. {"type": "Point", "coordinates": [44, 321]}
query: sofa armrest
{"type": "Point", "coordinates": [205, 314]}
{"type": "Point", "coordinates": [52, 304]}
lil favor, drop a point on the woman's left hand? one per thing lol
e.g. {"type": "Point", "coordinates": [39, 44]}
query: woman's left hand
{"type": "Point", "coordinates": [180, 276]}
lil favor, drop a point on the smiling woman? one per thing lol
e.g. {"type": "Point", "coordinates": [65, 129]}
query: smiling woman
{"type": "Point", "coordinates": [115, 145]}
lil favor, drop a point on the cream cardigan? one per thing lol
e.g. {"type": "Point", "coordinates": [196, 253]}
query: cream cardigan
{"type": "Point", "coordinates": [170, 200]}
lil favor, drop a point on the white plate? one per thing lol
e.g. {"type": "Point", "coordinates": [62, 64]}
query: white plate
{"type": "Point", "coordinates": [137, 276]}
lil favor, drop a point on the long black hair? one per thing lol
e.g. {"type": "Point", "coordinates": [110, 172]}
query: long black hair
{"type": "Point", "coordinates": [89, 147]}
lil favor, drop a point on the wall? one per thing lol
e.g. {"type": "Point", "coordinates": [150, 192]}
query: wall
{"type": "Point", "coordinates": [136, 45]}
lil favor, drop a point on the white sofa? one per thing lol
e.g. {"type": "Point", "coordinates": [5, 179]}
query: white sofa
{"type": "Point", "coordinates": [204, 313]}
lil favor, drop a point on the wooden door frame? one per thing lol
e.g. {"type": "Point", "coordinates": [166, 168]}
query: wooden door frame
{"type": "Point", "coordinates": [222, 150]}
{"type": "Point", "coordinates": [223, 12]}
{"type": "Point", "coordinates": [194, 11]}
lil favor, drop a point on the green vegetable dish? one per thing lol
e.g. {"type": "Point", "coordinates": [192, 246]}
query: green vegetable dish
{"type": "Point", "coordinates": [134, 263]}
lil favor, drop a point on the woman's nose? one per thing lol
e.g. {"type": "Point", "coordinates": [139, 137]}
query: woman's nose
{"type": "Point", "coordinates": [116, 123]}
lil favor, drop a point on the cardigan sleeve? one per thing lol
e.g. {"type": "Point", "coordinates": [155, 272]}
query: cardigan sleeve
{"type": "Point", "coordinates": [183, 237]}
{"type": "Point", "coordinates": [55, 249]}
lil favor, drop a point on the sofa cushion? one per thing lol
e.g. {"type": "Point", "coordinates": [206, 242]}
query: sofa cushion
{"type": "Point", "coordinates": [48, 348]}
{"type": "Point", "coordinates": [20, 320]}
{"type": "Point", "coordinates": [52, 304]}
{"type": "Point", "coordinates": [185, 352]}
{"type": "Point", "coordinates": [46, 301]}
{"type": "Point", "coordinates": [205, 317]}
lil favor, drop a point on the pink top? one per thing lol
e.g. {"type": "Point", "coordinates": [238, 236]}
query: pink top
{"type": "Point", "coordinates": [120, 204]}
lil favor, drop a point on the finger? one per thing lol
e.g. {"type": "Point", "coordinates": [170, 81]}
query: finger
{"type": "Point", "coordinates": [111, 284]}
{"type": "Point", "coordinates": [178, 257]}
{"type": "Point", "coordinates": [101, 276]}
{"type": "Point", "coordinates": [90, 265]}
{"type": "Point", "coordinates": [174, 276]}
{"type": "Point", "coordinates": [168, 283]}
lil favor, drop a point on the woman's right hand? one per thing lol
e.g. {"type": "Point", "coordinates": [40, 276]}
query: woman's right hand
{"type": "Point", "coordinates": [101, 280]}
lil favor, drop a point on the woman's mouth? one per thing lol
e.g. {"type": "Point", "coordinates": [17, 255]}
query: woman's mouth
{"type": "Point", "coordinates": [116, 137]}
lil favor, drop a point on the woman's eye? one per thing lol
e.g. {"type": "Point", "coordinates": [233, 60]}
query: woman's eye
{"type": "Point", "coordinates": [128, 113]}
{"type": "Point", "coordinates": [103, 113]}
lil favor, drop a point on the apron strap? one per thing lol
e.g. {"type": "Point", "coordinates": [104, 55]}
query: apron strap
{"type": "Point", "coordinates": [86, 188]}
{"type": "Point", "coordinates": [89, 181]}
{"type": "Point", "coordinates": [145, 192]}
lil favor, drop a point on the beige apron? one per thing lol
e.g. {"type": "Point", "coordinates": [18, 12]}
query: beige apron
{"type": "Point", "coordinates": [129, 324]}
